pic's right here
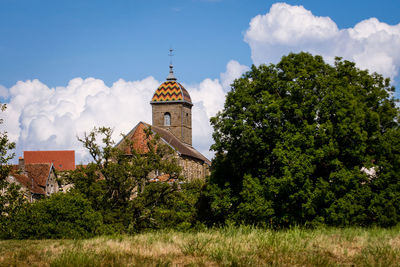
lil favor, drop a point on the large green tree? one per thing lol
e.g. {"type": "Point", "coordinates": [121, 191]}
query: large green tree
{"type": "Point", "coordinates": [305, 142]}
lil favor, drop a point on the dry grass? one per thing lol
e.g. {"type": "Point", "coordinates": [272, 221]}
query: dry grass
{"type": "Point", "coordinates": [244, 246]}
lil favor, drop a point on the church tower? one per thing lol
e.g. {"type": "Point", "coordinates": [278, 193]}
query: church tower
{"type": "Point", "coordinates": [172, 108]}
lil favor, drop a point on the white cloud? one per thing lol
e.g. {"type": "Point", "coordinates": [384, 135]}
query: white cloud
{"type": "Point", "coordinates": [208, 98]}
{"type": "Point", "coordinates": [234, 70]}
{"type": "Point", "coordinates": [3, 92]}
{"type": "Point", "coordinates": [202, 130]}
{"type": "Point", "coordinates": [210, 94]}
{"type": "Point", "coordinates": [372, 44]}
{"type": "Point", "coordinates": [42, 118]}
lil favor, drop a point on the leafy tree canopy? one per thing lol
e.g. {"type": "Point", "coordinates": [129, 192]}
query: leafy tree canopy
{"type": "Point", "coordinates": [117, 174]}
{"type": "Point", "coordinates": [59, 216]}
{"type": "Point", "coordinates": [305, 142]}
{"type": "Point", "coordinates": [163, 205]}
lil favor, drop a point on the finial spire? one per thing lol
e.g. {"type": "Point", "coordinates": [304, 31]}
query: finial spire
{"type": "Point", "coordinates": [170, 55]}
{"type": "Point", "coordinates": [171, 76]}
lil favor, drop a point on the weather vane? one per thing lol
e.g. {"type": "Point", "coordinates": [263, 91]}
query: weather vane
{"type": "Point", "coordinates": [170, 55]}
{"type": "Point", "coordinates": [171, 76]}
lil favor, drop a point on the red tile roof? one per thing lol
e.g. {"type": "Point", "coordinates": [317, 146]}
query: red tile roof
{"type": "Point", "coordinates": [27, 182]}
{"type": "Point", "coordinates": [63, 160]}
{"type": "Point", "coordinates": [138, 137]}
{"type": "Point", "coordinates": [182, 148]}
{"type": "Point", "coordinates": [39, 172]}
{"type": "Point", "coordinates": [34, 178]}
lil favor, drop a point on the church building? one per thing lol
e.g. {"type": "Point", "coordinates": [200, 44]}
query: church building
{"type": "Point", "coordinates": [172, 121]}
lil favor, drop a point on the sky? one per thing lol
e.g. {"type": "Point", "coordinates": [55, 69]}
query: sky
{"type": "Point", "coordinates": [67, 66]}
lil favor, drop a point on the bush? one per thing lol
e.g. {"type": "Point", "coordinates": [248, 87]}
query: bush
{"type": "Point", "coordinates": [59, 216]}
{"type": "Point", "coordinates": [163, 205]}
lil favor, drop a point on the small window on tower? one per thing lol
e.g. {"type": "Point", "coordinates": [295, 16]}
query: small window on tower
{"type": "Point", "coordinates": [167, 119]}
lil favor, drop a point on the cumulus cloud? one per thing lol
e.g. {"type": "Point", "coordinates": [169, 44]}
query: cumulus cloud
{"type": "Point", "coordinates": [208, 98]}
{"type": "Point", "coordinates": [42, 118]}
{"type": "Point", "coordinates": [233, 71]}
{"type": "Point", "coordinates": [210, 94]}
{"type": "Point", "coordinates": [372, 44]}
{"type": "Point", "coordinates": [3, 92]}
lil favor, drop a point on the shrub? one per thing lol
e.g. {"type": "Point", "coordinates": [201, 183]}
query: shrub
{"type": "Point", "coordinates": [59, 216]}
{"type": "Point", "coordinates": [163, 205]}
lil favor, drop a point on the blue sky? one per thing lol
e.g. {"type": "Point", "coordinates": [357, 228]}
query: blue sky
{"type": "Point", "coordinates": [55, 41]}
{"type": "Point", "coordinates": [67, 66]}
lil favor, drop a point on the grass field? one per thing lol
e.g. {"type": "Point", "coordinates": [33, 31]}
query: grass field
{"type": "Point", "coordinates": [230, 246]}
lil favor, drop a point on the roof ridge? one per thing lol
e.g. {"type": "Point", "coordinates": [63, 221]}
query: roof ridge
{"type": "Point", "coordinates": [39, 163]}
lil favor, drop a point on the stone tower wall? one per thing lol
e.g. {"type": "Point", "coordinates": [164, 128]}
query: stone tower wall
{"type": "Point", "coordinates": [181, 119]}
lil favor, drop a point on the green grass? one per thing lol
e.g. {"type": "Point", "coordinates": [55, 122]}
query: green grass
{"type": "Point", "coordinates": [230, 246]}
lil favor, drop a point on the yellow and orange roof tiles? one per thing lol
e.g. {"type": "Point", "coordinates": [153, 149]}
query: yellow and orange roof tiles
{"type": "Point", "coordinates": [171, 91]}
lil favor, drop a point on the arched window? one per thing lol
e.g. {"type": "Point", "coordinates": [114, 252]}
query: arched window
{"type": "Point", "coordinates": [167, 119]}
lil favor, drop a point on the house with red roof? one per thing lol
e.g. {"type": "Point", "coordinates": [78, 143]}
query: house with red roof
{"type": "Point", "coordinates": [36, 179]}
{"type": "Point", "coordinates": [62, 160]}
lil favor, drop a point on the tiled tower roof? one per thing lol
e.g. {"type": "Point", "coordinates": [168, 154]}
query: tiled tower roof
{"type": "Point", "coordinates": [171, 91]}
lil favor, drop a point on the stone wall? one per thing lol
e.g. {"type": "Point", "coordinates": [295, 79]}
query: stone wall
{"type": "Point", "coordinates": [52, 184]}
{"type": "Point", "coordinates": [193, 168]}
{"type": "Point", "coordinates": [181, 119]}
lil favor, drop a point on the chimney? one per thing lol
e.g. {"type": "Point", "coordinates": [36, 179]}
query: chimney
{"type": "Point", "coordinates": [21, 164]}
